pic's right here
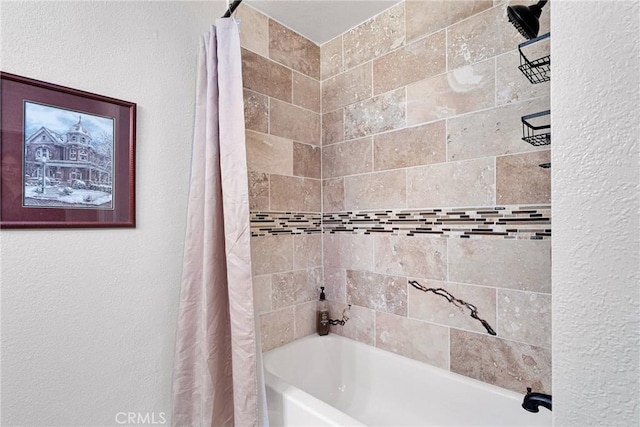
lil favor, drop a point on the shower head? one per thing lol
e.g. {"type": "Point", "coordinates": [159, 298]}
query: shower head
{"type": "Point", "coordinates": [525, 18]}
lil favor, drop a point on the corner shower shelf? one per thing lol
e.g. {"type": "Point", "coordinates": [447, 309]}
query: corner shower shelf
{"type": "Point", "coordinates": [537, 70]}
{"type": "Point", "coordinates": [536, 128]}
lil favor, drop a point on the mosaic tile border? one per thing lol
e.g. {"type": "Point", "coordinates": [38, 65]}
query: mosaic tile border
{"type": "Point", "coordinates": [505, 222]}
{"type": "Point", "coordinates": [283, 223]}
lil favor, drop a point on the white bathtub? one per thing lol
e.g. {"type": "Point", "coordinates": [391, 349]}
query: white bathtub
{"type": "Point", "coordinates": [335, 381]}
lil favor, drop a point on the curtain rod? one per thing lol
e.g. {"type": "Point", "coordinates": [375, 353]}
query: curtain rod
{"type": "Point", "coordinates": [232, 8]}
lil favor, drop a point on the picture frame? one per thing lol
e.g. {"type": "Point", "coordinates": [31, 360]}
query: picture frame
{"type": "Point", "coordinates": [68, 157]}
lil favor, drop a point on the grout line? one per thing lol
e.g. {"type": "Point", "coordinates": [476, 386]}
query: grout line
{"type": "Point", "coordinates": [375, 328]}
{"type": "Point", "coordinates": [446, 49]}
{"type": "Point", "coordinates": [373, 92]}
{"type": "Point", "coordinates": [291, 103]}
{"type": "Point", "coordinates": [497, 312]}
{"type": "Point", "coordinates": [373, 156]}
{"type": "Point", "coordinates": [341, 55]}
{"type": "Point", "coordinates": [457, 116]}
{"type": "Point", "coordinates": [280, 64]}
{"type": "Point", "coordinates": [422, 166]}
{"type": "Point", "coordinates": [446, 140]}
{"type": "Point", "coordinates": [449, 348]}
{"type": "Point", "coordinates": [495, 180]}
{"type": "Point", "coordinates": [269, 187]}
{"type": "Point", "coordinates": [448, 259]}
{"type": "Point", "coordinates": [406, 189]}
{"type": "Point", "coordinates": [495, 81]}
{"type": "Point", "coordinates": [373, 247]}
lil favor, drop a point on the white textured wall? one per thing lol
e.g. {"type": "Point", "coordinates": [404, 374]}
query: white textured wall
{"type": "Point", "coordinates": [88, 316]}
{"type": "Point", "coordinates": [595, 91]}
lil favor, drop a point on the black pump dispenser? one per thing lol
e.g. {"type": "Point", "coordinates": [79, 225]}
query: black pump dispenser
{"type": "Point", "coordinates": [323, 314]}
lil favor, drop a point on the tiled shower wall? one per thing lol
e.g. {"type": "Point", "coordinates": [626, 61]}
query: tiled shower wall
{"type": "Point", "coordinates": [281, 72]}
{"type": "Point", "coordinates": [424, 177]}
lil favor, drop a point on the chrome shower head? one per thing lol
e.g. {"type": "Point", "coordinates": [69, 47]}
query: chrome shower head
{"type": "Point", "coordinates": [525, 18]}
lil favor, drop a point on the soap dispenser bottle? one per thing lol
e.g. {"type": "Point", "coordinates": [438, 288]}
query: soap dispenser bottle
{"type": "Point", "coordinates": [323, 314]}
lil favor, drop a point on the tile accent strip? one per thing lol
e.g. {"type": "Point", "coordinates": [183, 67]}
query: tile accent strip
{"type": "Point", "coordinates": [279, 223]}
{"type": "Point", "coordinates": [505, 222]}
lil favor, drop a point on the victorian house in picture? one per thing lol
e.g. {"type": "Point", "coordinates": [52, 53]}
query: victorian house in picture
{"type": "Point", "coordinates": [68, 159]}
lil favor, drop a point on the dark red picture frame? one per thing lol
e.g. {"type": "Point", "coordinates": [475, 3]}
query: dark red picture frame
{"type": "Point", "coordinates": [15, 91]}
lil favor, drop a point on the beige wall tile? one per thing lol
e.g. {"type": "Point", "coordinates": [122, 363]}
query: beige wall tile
{"type": "Point", "coordinates": [333, 195]}
{"type": "Point", "coordinates": [511, 85]}
{"type": "Point", "coordinates": [485, 35]}
{"type": "Point", "coordinates": [264, 76]}
{"type": "Point", "coordinates": [418, 256]}
{"type": "Point", "coordinates": [294, 194]}
{"type": "Point", "coordinates": [428, 16]}
{"type": "Point", "coordinates": [525, 316]}
{"type": "Point", "coordinates": [515, 264]}
{"type": "Point", "coordinates": [375, 37]}
{"type": "Point", "coordinates": [469, 183]}
{"type": "Point", "coordinates": [507, 364]}
{"type": "Point", "coordinates": [256, 111]}
{"type": "Point", "coordinates": [293, 50]}
{"type": "Point", "coordinates": [416, 146]}
{"type": "Point", "coordinates": [414, 339]}
{"type": "Point", "coordinates": [351, 251]}
{"type": "Point", "coordinates": [359, 327]}
{"type": "Point", "coordinates": [491, 133]}
{"type": "Point", "coordinates": [295, 287]}
{"type": "Point", "coordinates": [378, 190]}
{"type": "Point", "coordinates": [268, 153]}
{"type": "Point", "coordinates": [258, 191]}
{"type": "Point", "coordinates": [307, 250]}
{"type": "Point", "coordinates": [347, 158]}
{"type": "Point", "coordinates": [294, 122]}
{"type": "Point", "coordinates": [271, 254]}
{"type": "Point", "coordinates": [416, 61]}
{"type": "Point", "coordinates": [378, 114]}
{"type": "Point", "coordinates": [306, 160]}
{"type": "Point", "coordinates": [331, 58]}
{"type": "Point", "coordinates": [520, 179]}
{"type": "Point", "coordinates": [335, 284]}
{"type": "Point", "coordinates": [346, 88]}
{"type": "Point", "coordinates": [254, 32]}
{"type": "Point", "coordinates": [262, 293]}
{"type": "Point", "coordinates": [435, 308]}
{"type": "Point", "coordinates": [377, 291]}
{"type": "Point", "coordinates": [459, 91]}
{"type": "Point", "coordinates": [277, 328]}
{"type": "Point", "coordinates": [306, 319]}
{"type": "Point", "coordinates": [306, 92]}
{"type": "Point", "coordinates": [333, 127]}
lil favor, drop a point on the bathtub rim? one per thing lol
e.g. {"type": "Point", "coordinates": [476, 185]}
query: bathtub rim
{"type": "Point", "coordinates": [546, 419]}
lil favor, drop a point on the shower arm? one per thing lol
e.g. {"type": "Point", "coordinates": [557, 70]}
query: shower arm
{"type": "Point", "coordinates": [538, 7]}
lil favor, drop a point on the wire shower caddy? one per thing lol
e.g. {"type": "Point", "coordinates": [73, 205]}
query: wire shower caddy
{"type": "Point", "coordinates": [537, 134]}
{"type": "Point", "coordinates": [537, 70]}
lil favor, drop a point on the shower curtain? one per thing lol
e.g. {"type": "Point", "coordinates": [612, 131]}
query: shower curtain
{"type": "Point", "coordinates": [217, 378]}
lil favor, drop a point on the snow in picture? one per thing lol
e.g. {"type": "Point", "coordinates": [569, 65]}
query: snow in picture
{"type": "Point", "coordinates": [68, 158]}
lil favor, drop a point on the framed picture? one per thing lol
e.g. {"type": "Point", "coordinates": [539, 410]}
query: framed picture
{"type": "Point", "coordinates": [68, 157]}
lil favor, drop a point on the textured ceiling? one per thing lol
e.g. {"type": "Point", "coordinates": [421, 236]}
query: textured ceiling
{"type": "Point", "coordinates": [321, 20]}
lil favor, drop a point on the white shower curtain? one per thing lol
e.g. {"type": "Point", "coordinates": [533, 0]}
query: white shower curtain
{"type": "Point", "coordinates": [217, 379]}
